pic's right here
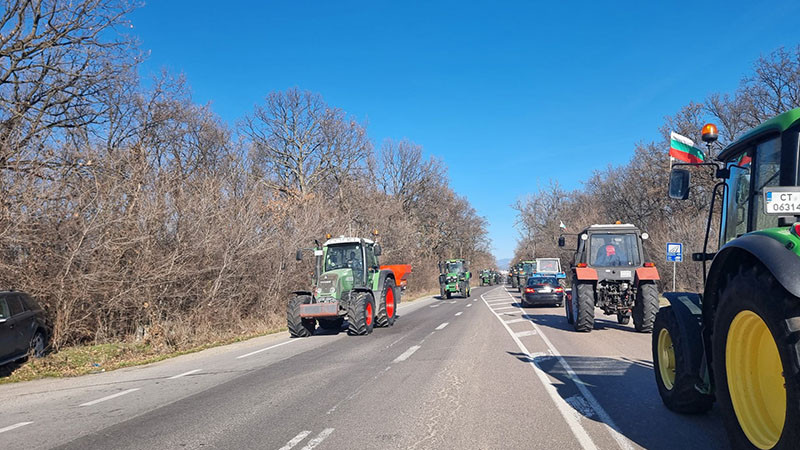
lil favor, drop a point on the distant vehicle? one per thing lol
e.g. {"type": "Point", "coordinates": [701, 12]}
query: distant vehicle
{"type": "Point", "coordinates": [542, 290]}
{"type": "Point", "coordinates": [487, 277]}
{"type": "Point", "coordinates": [524, 270]}
{"type": "Point", "coordinates": [454, 276]}
{"type": "Point", "coordinates": [549, 266]}
{"type": "Point", "coordinates": [23, 330]}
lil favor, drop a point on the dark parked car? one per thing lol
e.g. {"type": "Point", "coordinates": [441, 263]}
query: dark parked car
{"type": "Point", "coordinates": [542, 290]}
{"type": "Point", "coordinates": [22, 327]}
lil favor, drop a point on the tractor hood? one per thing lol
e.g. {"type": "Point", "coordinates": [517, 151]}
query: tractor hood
{"type": "Point", "coordinates": [331, 284]}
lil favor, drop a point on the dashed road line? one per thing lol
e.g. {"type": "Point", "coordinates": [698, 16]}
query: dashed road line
{"type": "Point", "coordinates": [296, 440]}
{"type": "Point", "coordinates": [459, 313]}
{"type": "Point", "coordinates": [184, 374]}
{"type": "Point", "coordinates": [434, 306]}
{"type": "Point", "coordinates": [469, 304]}
{"type": "Point", "coordinates": [406, 354]}
{"type": "Point", "coordinates": [109, 397]}
{"type": "Point", "coordinates": [441, 327]}
{"type": "Point", "coordinates": [318, 440]}
{"type": "Point", "coordinates": [14, 427]}
{"type": "Point", "coordinates": [265, 349]}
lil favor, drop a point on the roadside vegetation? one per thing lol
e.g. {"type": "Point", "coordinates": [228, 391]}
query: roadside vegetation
{"type": "Point", "coordinates": [145, 224]}
{"type": "Point", "coordinates": [636, 192]}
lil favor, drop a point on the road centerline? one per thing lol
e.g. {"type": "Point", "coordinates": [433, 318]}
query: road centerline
{"type": "Point", "coordinates": [441, 327]}
{"type": "Point", "coordinates": [109, 397]}
{"type": "Point", "coordinates": [265, 349]}
{"type": "Point", "coordinates": [406, 354]}
{"type": "Point", "coordinates": [14, 427]}
{"type": "Point", "coordinates": [296, 440]}
{"type": "Point", "coordinates": [184, 374]}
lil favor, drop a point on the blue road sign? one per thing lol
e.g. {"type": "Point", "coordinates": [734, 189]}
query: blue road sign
{"type": "Point", "coordinates": [674, 252]}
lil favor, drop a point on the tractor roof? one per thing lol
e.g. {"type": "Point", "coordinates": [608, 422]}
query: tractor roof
{"type": "Point", "coordinates": [777, 124]}
{"type": "Point", "coordinates": [612, 225]}
{"type": "Point", "coordinates": [346, 240]}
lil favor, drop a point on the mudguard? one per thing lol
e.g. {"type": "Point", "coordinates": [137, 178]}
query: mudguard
{"type": "Point", "coordinates": [585, 274]}
{"type": "Point", "coordinates": [688, 310]}
{"type": "Point", "coordinates": [647, 274]}
{"type": "Point", "coordinates": [782, 262]}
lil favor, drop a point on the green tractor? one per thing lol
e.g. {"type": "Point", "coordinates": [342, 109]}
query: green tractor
{"type": "Point", "coordinates": [348, 283]}
{"type": "Point", "coordinates": [738, 342]}
{"type": "Point", "coordinates": [512, 276]}
{"type": "Point", "coordinates": [487, 277]}
{"type": "Point", "coordinates": [454, 278]}
{"type": "Point", "coordinates": [524, 270]}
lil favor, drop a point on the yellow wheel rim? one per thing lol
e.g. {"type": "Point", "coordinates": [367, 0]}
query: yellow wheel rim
{"type": "Point", "coordinates": [755, 379]}
{"type": "Point", "coordinates": [666, 359]}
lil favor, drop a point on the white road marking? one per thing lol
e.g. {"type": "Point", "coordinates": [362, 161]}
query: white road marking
{"type": "Point", "coordinates": [459, 313]}
{"type": "Point", "coordinates": [516, 320]}
{"type": "Point", "coordinates": [569, 414]}
{"type": "Point", "coordinates": [441, 327]}
{"type": "Point", "coordinates": [525, 333]}
{"type": "Point", "coordinates": [296, 440]}
{"type": "Point", "coordinates": [184, 374]}
{"type": "Point", "coordinates": [14, 427]}
{"type": "Point", "coordinates": [265, 349]}
{"type": "Point", "coordinates": [109, 397]}
{"type": "Point", "coordinates": [434, 306]}
{"type": "Point", "coordinates": [468, 305]}
{"type": "Point", "coordinates": [406, 354]}
{"type": "Point", "coordinates": [453, 302]}
{"type": "Point", "coordinates": [504, 307]}
{"type": "Point", "coordinates": [602, 415]}
{"type": "Point", "coordinates": [318, 440]}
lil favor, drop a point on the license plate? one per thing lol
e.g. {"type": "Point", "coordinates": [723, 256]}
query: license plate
{"type": "Point", "coordinates": [625, 273]}
{"type": "Point", "coordinates": [545, 290]}
{"type": "Point", "coordinates": [783, 201]}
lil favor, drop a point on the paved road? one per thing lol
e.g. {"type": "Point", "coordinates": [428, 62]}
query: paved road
{"type": "Point", "coordinates": [476, 373]}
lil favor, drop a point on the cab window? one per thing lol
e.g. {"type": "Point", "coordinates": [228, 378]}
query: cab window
{"type": "Point", "coordinates": [767, 173]}
{"type": "Point", "coordinates": [737, 211]}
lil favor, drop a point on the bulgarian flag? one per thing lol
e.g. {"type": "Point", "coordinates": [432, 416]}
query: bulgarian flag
{"type": "Point", "coordinates": [683, 149]}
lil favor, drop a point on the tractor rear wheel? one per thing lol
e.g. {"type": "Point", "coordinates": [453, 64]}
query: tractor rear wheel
{"type": "Point", "coordinates": [755, 357]}
{"type": "Point", "coordinates": [388, 308]}
{"type": "Point", "coordinates": [568, 310]}
{"type": "Point", "coordinates": [331, 324]}
{"type": "Point", "coordinates": [299, 327]}
{"type": "Point", "coordinates": [677, 373]}
{"type": "Point", "coordinates": [449, 294]}
{"type": "Point", "coordinates": [583, 307]}
{"type": "Point", "coordinates": [441, 292]}
{"type": "Point", "coordinates": [645, 307]}
{"type": "Point", "coordinates": [360, 314]}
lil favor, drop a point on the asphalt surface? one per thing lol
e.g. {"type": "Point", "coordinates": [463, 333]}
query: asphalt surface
{"type": "Point", "coordinates": [476, 373]}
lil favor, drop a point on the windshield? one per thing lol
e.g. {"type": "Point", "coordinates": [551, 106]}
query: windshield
{"type": "Point", "coordinates": [542, 280]}
{"type": "Point", "coordinates": [457, 266]}
{"type": "Point", "coordinates": [608, 250]}
{"type": "Point", "coordinates": [529, 267]}
{"type": "Point", "coordinates": [344, 256]}
{"type": "Point", "coordinates": [548, 265]}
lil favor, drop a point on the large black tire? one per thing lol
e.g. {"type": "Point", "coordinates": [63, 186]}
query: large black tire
{"type": "Point", "coordinates": [645, 307]}
{"type": "Point", "coordinates": [389, 302]}
{"type": "Point", "coordinates": [299, 327]}
{"type": "Point", "coordinates": [331, 324]}
{"type": "Point", "coordinates": [38, 345]}
{"type": "Point", "coordinates": [568, 310]}
{"type": "Point", "coordinates": [449, 294]}
{"type": "Point", "coordinates": [677, 392]}
{"type": "Point", "coordinates": [754, 290]}
{"type": "Point", "coordinates": [360, 313]}
{"type": "Point", "coordinates": [583, 307]}
{"type": "Point", "coordinates": [441, 292]}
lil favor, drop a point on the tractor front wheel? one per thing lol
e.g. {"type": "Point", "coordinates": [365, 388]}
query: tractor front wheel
{"type": "Point", "coordinates": [645, 307]}
{"type": "Point", "coordinates": [677, 372]}
{"type": "Point", "coordinates": [583, 306]}
{"type": "Point", "coordinates": [568, 309]}
{"type": "Point", "coordinates": [755, 357]}
{"type": "Point", "coordinates": [299, 327]}
{"type": "Point", "coordinates": [360, 314]}
{"type": "Point", "coordinates": [388, 308]}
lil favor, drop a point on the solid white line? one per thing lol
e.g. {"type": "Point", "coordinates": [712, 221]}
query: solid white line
{"type": "Point", "coordinates": [184, 374]}
{"type": "Point", "coordinates": [14, 427]}
{"type": "Point", "coordinates": [317, 440]}
{"type": "Point", "coordinates": [612, 427]}
{"type": "Point", "coordinates": [459, 313]}
{"type": "Point", "coordinates": [441, 327]}
{"type": "Point", "coordinates": [296, 440]}
{"type": "Point", "coordinates": [406, 354]}
{"type": "Point", "coordinates": [265, 349]}
{"type": "Point", "coordinates": [109, 397]}
{"type": "Point", "coordinates": [567, 412]}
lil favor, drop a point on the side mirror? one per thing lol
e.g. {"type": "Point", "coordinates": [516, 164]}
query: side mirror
{"type": "Point", "coordinates": [561, 241]}
{"type": "Point", "coordinates": [679, 184]}
{"type": "Point", "coordinates": [377, 249]}
{"type": "Point", "coordinates": [299, 255]}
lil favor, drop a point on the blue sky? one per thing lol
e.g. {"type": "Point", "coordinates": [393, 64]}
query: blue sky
{"type": "Point", "coordinates": [508, 94]}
